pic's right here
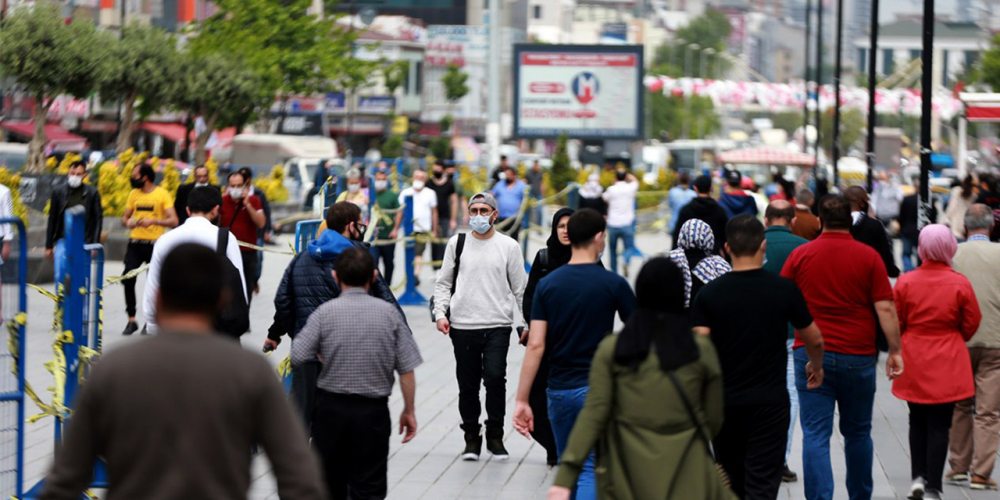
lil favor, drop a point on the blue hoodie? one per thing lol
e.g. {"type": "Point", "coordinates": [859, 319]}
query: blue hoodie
{"type": "Point", "coordinates": [737, 203]}
{"type": "Point", "coordinates": [329, 246]}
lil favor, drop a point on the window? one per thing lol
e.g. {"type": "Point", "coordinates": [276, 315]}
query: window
{"type": "Point", "coordinates": [406, 81]}
{"type": "Point", "coordinates": [971, 56]}
{"type": "Point", "coordinates": [916, 54]}
{"type": "Point", "coordinates": [887, 63]}
{"type": "Point", "coordinates": [537, 11]}
{"type": "Point", "coordinates": [419, 76]}
{"type": "Point", "coordinates": [862, 60]}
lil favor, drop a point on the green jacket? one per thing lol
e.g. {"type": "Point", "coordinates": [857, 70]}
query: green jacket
{"type": "Point", "coordinates": [780, 243]}
{"type": "Point", "coordinates": [647, 445]}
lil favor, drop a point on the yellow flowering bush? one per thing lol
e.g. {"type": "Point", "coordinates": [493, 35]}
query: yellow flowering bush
{"type": "Point", "coordinates": [114, 185]}
{"type": "Point", "coordinates": [470, 182]}
{"type": "Point", "coordinates": [13, 182]}
{"type": "Point", "coordinates": [273, 185]}
{"type": "Point", "coordinates": [171, 177]}
{"type": "Point", "coordinates": [63, 167]}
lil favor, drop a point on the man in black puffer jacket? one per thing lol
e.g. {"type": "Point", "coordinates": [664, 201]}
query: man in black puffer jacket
{"type": "Point", "coordinates": [308, 283]}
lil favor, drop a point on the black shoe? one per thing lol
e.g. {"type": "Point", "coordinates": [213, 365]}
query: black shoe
{"type": "Point", "coordinates": [130, 328]}
{"type": "Point", "coordinates": [143, 332]}
{"type": "Point", "coordinates": [788, 475]}
{"type": "Point", "coordinates": [473, 446]}
{"type": "Point", "coordinates": [495, 445]}
{"type": "Point", "coordinates": [552, 461]}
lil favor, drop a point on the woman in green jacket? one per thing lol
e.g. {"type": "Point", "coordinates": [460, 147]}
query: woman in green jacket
{"type": "Point", "coordinates": [648, 446]}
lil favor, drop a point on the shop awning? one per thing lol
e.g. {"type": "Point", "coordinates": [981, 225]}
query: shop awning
{"type": "Point", "coordinates": [173, 132]}
{"type": "Point", "coordinates": [60, 138]}
{"type": "Point", "coordinates": [767, 156]}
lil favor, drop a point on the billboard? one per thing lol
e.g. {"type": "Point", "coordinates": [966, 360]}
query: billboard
{"type": "Point", "coordinates": [586, 91]}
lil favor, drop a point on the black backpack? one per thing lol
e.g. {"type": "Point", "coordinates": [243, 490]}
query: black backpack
{"type": "Point", "coordinates": [234, 319]}
{"type": "Point", "coordinates": [459, 246]}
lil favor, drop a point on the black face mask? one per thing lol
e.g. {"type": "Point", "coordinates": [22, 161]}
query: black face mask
{"type": "Point", "coordinates": [138, 183]}
{"type": "Point", "coordinates": [438, 175]}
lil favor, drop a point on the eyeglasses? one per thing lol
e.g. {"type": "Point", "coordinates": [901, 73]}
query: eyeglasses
{"type": "Point", "coordinates": [362, 228]}
{"type": "Point", "coordinates": [481, 211]}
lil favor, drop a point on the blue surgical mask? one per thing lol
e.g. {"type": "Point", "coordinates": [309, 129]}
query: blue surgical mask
{"type": "Point", "coordinates": [480, 223]}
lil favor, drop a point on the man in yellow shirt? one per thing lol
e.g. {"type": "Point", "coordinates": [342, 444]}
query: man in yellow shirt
{"type": "Point", "coordinates": [148, 211]}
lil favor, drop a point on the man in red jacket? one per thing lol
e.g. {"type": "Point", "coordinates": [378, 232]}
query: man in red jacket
{"type": "Point", "coordinates": [243, 214]}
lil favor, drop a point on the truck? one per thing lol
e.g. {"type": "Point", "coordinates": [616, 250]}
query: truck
{"type": "Point", "coordinates": [300, 156]}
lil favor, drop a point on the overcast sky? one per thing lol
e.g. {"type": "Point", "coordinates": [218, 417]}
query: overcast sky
{"type": "Point", "coordinates": [888, 9]}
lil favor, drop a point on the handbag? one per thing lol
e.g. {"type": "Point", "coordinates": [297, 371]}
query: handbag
{"type": "Point", "coordinates": [723, 476]}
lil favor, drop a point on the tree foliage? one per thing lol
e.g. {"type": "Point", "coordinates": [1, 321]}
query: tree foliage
{"type": "Point", "coordinates": [709, 30]}
{"type": "Point", "coordinates": [852, 127]}
{"type": "Point", "coordinates": [562, 171]}
{"type": "Point", "coordinates": [394, 74]}
{"type": "Point", "coordinates": [455, 83]}
{"type": "Point", "coordinates": [674, 116]}
{"type": "Point", "coordinates": [49, 58]}
{"type": "Point", "coordinates": [989, 66]}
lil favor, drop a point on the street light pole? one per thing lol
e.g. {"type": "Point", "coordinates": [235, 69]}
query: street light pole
{"type": "Point", "coordinates": [805, 83]}
{"type": "Point", "coordinates": [676, 59]}
{"type": "Point", "coordinates": [927, 89]}
{"type": "Point", "coordinates": [819, 75]}
{"type": "Point", "coordinates": [704, 73]}
{"type": "Point", "coordinates": [872, 116]}
{"type": "Point", "coordinates": [836, 91]}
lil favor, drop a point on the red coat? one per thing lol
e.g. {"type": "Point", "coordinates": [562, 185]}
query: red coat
{"type": "Point", "coordinates": [938, 313]}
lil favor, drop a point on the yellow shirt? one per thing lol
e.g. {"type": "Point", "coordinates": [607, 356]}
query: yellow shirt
{"type": "Point", "coordinates": [151, 205]}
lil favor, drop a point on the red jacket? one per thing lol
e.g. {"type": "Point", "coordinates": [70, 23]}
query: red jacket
{"type": "Point", "coordinates": [938, 313]}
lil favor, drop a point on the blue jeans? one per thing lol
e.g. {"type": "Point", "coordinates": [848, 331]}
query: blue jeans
{"type": "Point", "coordinates": [564, 406]}
{"type": "Point", "coordinates": [910, 255]}
{"type": "Point", "coordinates": [848, 384]}
{"type": "Point", "coordinates": [627, 234]}
{"type": "Point", "coordinates": [58, 259]}
{"type": "Point", "coordinates": [793, 398]}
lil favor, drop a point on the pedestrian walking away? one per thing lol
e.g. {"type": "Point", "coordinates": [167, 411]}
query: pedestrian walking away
{"type": "Point", "coordinates": [707, 210]}
{"type": "Point", "coordinates": [388, 224]}
{"type": "Point", "coordinates": [847, 291]}
{"type": "Point", "coordinates": [620, 197]}
{"type": "Point", "coordinates": [679, 196]}
{"type": "Point", "coordinates": [975, 428]}
{"type": "Point", "coordinates": [362, 341]}
{"type": "Point", "coordinates": [962, 197]}
{"type": "Point", "coordinates": [425, 216]}
{"type": "Point", "coordinates": [73, 193]}
{"type": "Point", "coordinates": [779, 217]}
{"type": "Point", "coordinates": [694, 257]}
{"type": "Point", "coordinates": [510, 193]}
{"type": "Point", "coordinates": [472, 306]}
{"type": "Point", "coordinates": [806, 224]}
{"type": "Point", "coordinates": [909, 227]}
{"type": "Point", "coordinates": [203, 206]}
{"type": "Point", "coordinates": [243, 213]}
{"type": "Point", "coordinates": [938, 313]}
{"type": "Point", "coordinates": [307, 284]}
{"type": "Point", "coordinates": [556, 253]}
{"type": "Point", "coordinates": [201, 178]}
{"type": "Point", "coordinates": [868, 230]}
{"type": "Point", "coordinates": [447, 208]}
{"type": "Point", "coordinates": [573, 310]}
{"type": "Point", "coordinates": [148, 211]}
{"type": "Point", "coordinates": [746, 313]}
{"type": "Point", "coordinates": [655, 400]}
{"type": "Point", "coordinates": [144, 415]}
{"type": "Point", "coordinates": [734, 200]}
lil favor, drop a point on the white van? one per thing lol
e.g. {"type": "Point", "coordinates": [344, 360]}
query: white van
{"type": "Point", "coordinates": [13, 155]}
{"type": "Point", "coordinates": [300, 155]}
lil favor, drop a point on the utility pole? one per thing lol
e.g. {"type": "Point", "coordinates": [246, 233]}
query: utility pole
{"type": "Point", "coordinates": [927, 89]}
{"type": "Point", "coordinates": [494, 89]}
{"type": "Point", "coordinates": [836, 91]}
{"type": "Point", "coordinates": [807, 81]}
{"type": "Point", "coordinates": [872, 116]}
{"type": "Point", "coordinates": [819, 75]}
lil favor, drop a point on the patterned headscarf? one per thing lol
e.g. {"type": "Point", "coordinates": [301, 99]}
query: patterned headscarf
{"type": "Point", "coordinates": [696, 236]}
{"type": "Point", "coordinates": [592, 189]}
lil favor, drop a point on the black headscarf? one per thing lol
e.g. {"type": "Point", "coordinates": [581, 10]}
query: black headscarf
{"type": "Point", "coordinates": [559, 254]}
{"type": "Point", "coordinates": [659, 319]}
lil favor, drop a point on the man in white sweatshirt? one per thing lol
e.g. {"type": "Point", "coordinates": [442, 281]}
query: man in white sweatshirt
{"type": "Point", "coordinates": [472, 304]}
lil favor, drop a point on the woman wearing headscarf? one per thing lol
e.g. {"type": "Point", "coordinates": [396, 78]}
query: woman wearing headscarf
{"type": "Point", "coordinates": [590, 195]}
{"type": "Point", "coordinates": [655, 400]}
{"type": "Point", "coordinates": [693, 256]}
{"type": "Point", "coordinates": [556, 253]}
{"type": "Point", "coordinates": [938, 313]}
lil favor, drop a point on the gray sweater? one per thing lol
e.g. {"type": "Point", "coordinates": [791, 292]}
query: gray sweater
{"type": "Point", "coordinates": [490, 272]}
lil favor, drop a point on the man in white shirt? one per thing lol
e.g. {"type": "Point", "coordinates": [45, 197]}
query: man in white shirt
{"type": "Point", "coordinates": [620, 198]}
{"type": "Point", "coordinates": [203, 206]}
{"type": "Point", "coordinates": [6, 230]}
{"type": "Point", "coordinates": [425, 215]}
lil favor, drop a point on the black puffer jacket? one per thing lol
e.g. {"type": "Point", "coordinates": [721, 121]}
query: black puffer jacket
{"type": "Point", "coordinates": [307, 284]}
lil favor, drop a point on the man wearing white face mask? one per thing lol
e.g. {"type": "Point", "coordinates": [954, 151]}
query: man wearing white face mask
{"type": "Point", "coordinates": [425, 215]}
{"type": "Point", "coordinates": [473, 307]}
{"type": "Point", "coordinates": [65, 196]}
{"type": "Point", "coordinates": [243, 213]}
{"type": "Point", "coordinates": [387, 223]}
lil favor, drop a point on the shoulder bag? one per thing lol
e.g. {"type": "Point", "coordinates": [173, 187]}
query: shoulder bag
{"type": "Point", "coordinates": [701, 428]}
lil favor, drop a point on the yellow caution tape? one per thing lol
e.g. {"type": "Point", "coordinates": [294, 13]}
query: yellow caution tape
{"type": "Point", "coordinates": [113, 280]}
{"type": "Point", "coordinates": [285, 367]}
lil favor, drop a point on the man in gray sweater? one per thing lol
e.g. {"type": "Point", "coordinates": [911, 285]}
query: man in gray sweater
{"type": "Point", "coordinates": [176, 415]}
{"type": "Point", "coordinates": [472, 304]}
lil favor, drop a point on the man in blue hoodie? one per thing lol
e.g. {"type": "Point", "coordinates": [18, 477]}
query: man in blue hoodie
{"type": "Point", "coordinates": [308, 283]}
{"type": "Point", "coordinates": [734, 200]}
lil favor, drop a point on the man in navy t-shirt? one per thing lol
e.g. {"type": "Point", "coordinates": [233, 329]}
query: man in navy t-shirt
{"type": "Point", "coordinates": [573, 310]}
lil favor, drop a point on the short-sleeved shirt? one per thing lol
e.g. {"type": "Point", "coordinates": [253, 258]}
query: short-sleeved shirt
{"type": "Point", "coordinates": [151, 205]}
{"type": "Point", "coordinates": [509, 197]}
{"type": "Point", "coordinates": [443, 192]}
{"type": "Point", "coordinates": [424, 201]}
{"type": "Point", "coordinates": [621, 203]}
{"type": "Point", "coordinates": [239, 221]}
{"type": "Point", "coordinates": [579, 302]}
{"type": "Point", "coordinates": [386, 200]}
{"type": "Point", "coordinates": [841, 280]}
{"type": "Point", "coordinates": [748, 313]}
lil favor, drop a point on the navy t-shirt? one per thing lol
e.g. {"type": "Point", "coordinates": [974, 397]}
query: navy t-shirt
{"type": "Point", "coordinates": [578, 302]}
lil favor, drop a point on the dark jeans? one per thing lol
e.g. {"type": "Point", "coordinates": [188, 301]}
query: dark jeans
{"type": "Point", "coordinates": [388, 255]}
{"type": "Point", "coordinates": [250, 272]}
{"type": "Point", "coordinates": [565, 406]}
{"type": "Point", "coordinates": [481, 357]}
{"type": "Point", "coordinates": [303, 390]}
{"type": "Point", "coordinates": [929, 428]}
{"type": "Point", "coordinates": [352, 437]}
{"type": "Point", "coordinates": [137, 253]}
{"type": "Point", "coordinates": [911, 259]}
{"type": "Point", "coordinates": [539, 403]}
{"type": "Point", "coordinates": [848, 385]}
{"type": "Point", "coordinates": [751, 448]}
{"type": "Point", "coordinates": [513, 232]}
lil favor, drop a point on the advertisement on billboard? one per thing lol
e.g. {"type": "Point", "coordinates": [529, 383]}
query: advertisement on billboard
{"type": "Point", "coordinates": [586, 91]}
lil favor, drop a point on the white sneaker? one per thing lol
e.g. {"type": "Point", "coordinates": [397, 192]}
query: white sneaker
{"type": "Point", "coordinates": [917, 489]}
{"type": "Point", "coordinates": [932, 494]}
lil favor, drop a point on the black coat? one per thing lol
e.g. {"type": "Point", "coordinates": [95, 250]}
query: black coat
{"type": "Point", "coordinates": [307, 284]}
{"type": "Point", "coordinates": [55, 230]}
{"type": "Point", "coordinates": [871, 232]}
{"type": "Point", "coordinates": [708, 210]}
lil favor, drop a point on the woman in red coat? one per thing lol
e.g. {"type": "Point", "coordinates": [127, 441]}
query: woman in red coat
{"type": "Point", "coordinates": [938, 313]}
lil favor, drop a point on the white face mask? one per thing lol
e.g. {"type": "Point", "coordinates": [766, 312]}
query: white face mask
{"type": "Point", "coordinates": [74, 181]}
{"type": "Point", "coordinates": [200, 184]}
{"type": "Point", "coordinates": [353, 188]}
{"type": "Point", "coordinates": [503, 176]}
{"type": "Point", "coordinates": [381, 185]}
{"type": "Point", "coordinates": [480, 223]}
{"type": "Point", "coordinates": [235, 192]}
{"type": "Point", "coordinates": [418, 185]}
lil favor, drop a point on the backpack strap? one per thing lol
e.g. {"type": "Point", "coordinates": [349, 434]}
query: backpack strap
{"type": "Point", "coordinates": [458, 260]}
{"type": "Point", "coordinates": [222, 245]}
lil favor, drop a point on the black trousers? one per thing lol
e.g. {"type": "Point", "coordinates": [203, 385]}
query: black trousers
{"type": "Point", "coordinates": [481, 358]}
{"type": "Point", "coordinates": [751, 447]}
{"type": "Point", "coordinates": [929, 427]}
{"type": "Point", "coordinates": [437, 249]}
{"type": "Point", "coordinates": [508, 229]}
{"type": "Point", "coordinates": [137, 253]}
{"type": "Point", "coordinates": [539, 403]}
{"type": "Point", "coordinates": [351, 434]}
{"type": "Point", "coordinates": [388, 255]}
{"type": "Point", "coordinates": [250, 271]}
{"type": "Point", "coordinates": [303, 391]}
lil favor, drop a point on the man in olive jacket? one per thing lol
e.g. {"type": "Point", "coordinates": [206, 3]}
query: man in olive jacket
{"type": "Point", "coordinates": [73, 193]}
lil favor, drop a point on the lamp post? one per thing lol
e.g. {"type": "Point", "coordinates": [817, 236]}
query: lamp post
{"type": "Point", "coordinates": [687, 102]}
{"type": "Point", "coordinates": [687, 61]}
{"type": "Point", "coordinates": [679, 44]}
{"type": "Point", "coordinates": [701, 63]}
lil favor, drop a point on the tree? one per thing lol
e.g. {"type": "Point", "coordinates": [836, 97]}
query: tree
{"type": "Point", "coordinates": [394, 74]}
{"type": "Point", "coordinates": [852, 127]}
{"type": "Point", "coordinates": [49, 58]}
{"type": "Point", "coordinates": [562, 171]}
{"type": "Point", "coordinates": [455, 88]}
{"type": "Point", "coordinates": [710, 31]}
{"type": "Point", "coordinates": [675, 116]}
{"type": "Point", "coordinates": [222, 89]}
{"type": "Point", "coordinates": [143, 65]}
{"type": "Point", "coordinates": [989, 65]}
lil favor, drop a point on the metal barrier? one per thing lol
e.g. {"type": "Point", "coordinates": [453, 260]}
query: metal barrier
{"type": "Point", "coordinates": [305, 231]}
{"type": "Point", "coordinates": [13, 275]}
{"type": "Point", "coordinates": [411, 297]}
